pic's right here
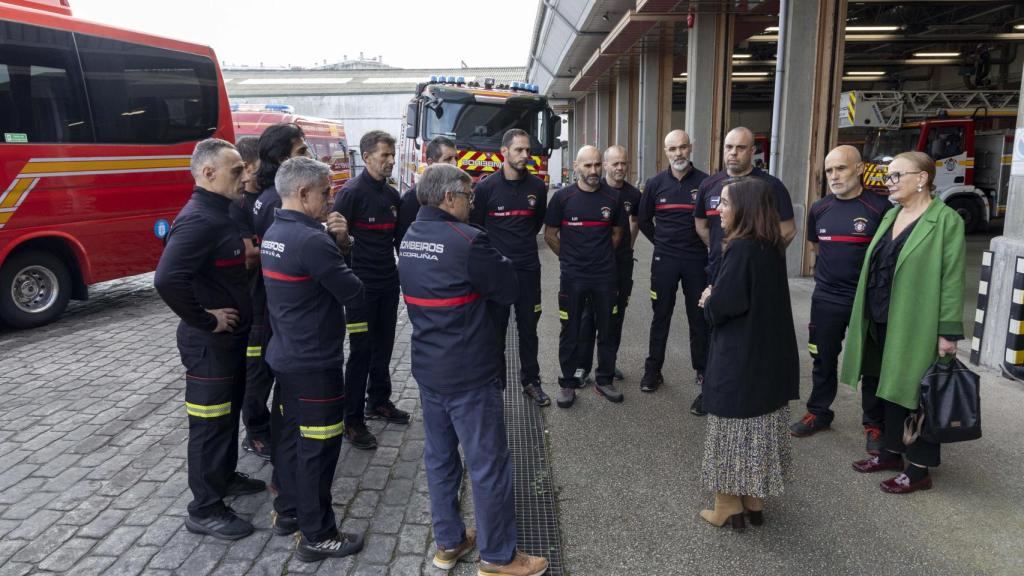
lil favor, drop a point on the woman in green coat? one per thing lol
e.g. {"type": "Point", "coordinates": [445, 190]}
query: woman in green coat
{"type": "Point", "coordinates": [907, 312]}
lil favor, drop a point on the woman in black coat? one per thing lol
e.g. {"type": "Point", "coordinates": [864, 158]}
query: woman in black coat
{"type": "Point", "coordinates": [753, 364]}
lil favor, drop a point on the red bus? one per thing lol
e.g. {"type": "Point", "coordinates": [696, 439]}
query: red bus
{"type": "Point", "coordinates": [325, 138]}
{"type": "Point", "coordinates": [98, 127]}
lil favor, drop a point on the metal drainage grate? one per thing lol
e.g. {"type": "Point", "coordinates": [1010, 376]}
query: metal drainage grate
{"type": "Point", "coordinates": [536, 514]}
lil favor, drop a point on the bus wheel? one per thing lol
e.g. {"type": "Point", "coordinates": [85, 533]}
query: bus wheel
{"type": "Point", "coordinates": [34, 289]}
{"type": "Point", "coordinates": [970, 211]}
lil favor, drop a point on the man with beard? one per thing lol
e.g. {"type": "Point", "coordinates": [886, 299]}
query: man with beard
{"type": "Point", "coordinates": [584, 225]}
{"type": "Point", "coordinates": [616, 167]}
{"type": "Point", "coordinates": [510, 204]}
{"type": "Point", "coordinates": [680, 256]}
{"type": "Point", "coordinates": [840, 226]}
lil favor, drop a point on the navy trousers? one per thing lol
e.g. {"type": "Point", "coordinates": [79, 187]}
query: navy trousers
{"type": "Point", "coordinates": [475, 419]}
{"type": "Point", "coordinates": [371, 340]}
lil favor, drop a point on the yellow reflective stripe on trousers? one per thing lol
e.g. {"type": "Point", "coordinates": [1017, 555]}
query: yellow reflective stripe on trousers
{"type": "Point", "coordinates": [203, 411]}
{"type": "Point", "coordinates": [536, 308]}
{"type": "Point", "coordinates": [254, 351]}
{"type": "Point", "coordinates": [322, 432]}
{"type": "Point", "coordinates": [563, 315]}
{"type": "Point", "coordinates": [654, 295]}
{"type": "Point", "coordinates": [358, 327]}
{"type": "Point", "coordinates": [812, 348]}
{"type": "Point", "coordinates": [615, 309]}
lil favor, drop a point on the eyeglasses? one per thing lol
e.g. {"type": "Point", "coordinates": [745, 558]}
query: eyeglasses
{"type": "Point", "coordinates": [470, 195]}
{"type": "Point", "coordinates": [894, 177]}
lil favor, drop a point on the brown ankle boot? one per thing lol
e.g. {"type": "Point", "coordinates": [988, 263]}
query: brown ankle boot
{"type": "Point", "coordinates": [754, 507]}
{"type": "Point", "coordinates": [728, 508]}
{"type": "Point", "coordinates": [521, 565]}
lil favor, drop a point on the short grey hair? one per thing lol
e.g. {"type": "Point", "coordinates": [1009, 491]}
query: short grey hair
{"type": "Point", "coordinates": [206, 153]}
{"type": "Point", "coordinates": [437, 181]}
{"type": "Point", "coordinates": [300, 171]}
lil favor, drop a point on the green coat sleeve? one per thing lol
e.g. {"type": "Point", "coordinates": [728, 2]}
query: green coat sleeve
{"type": "Point", "coordinates": [951, 293]}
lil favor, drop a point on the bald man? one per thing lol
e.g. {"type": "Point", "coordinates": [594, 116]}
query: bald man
{"type": "Point", "coordinates": [738, 155]}
{"type": "Point", "coordinates": [616, 168]}
{"type": "Point", "coordinates": [840, 226]}
{"type": "Point", "coordinates": [680, 256]}
{"type": "Point", "coordinates": [583, 226]}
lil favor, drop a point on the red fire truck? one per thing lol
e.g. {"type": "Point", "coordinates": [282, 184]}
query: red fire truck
{"type": "Point", "coordinates": [326, 138]}
{"type": "Point", "coordinates": [98, 127]}
{"type": "Point", "coordinates": [476, 114]}
{"type": "Point", "coordinates": [968, 133]}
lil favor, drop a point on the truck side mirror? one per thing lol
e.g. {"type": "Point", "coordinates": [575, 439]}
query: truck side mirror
{"type": "Point", "coordinates": [412, 116]}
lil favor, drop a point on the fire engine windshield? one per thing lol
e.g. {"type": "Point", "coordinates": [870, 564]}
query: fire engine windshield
{"type": "Point", "coordinates": [881, 146]}
{"type": "Point", "coordinates": [476, 126]}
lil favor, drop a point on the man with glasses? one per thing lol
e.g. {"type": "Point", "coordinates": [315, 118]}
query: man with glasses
{"type": "Point", "coordinates": [451, 275]}
{"type": "Point", "coordinates": [840, 226]}
{"type": "Point", "coordinates": [510, 204]}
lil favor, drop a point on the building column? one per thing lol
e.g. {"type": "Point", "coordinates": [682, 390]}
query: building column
{"type": "Point", "coordinates": [708, 89]}
{"type": "Point", "coordinates": [1005, 251]}
{"type": "Point", "coordinates": [622, 110]}
{"type": "Point", "coordinates": [807, 117]}
{"type": "Point", "coordinates": [602, 108]}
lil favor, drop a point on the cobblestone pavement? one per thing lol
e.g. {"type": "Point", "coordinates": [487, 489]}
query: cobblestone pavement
{"type": "Point", "coordinates": [92, 458]}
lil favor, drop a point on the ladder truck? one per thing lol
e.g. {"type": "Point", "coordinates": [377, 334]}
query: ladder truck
{"type": "Point", "coordinates": [968, 133]}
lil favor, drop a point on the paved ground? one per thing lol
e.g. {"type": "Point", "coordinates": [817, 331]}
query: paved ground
{"type": "Point", "coordinates": [92, 459]}
{"type": "Point", "coordinates": [629, 488]}
{"type": "Point", "coordinates": [92, 470]}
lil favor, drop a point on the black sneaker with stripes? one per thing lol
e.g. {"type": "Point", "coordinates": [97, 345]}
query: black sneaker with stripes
{"type": "Point", "coordinates": [337, 546]}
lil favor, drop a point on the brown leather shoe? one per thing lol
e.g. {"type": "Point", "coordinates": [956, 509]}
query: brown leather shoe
{"type": "Point", "coordinates": [521, 565]}
{"type": "Point", "coordinates": [902, 485]}
{"type": "Point", "coordinates": [446, 559]}
{"type": "Point", "coordinates": [876, 464]}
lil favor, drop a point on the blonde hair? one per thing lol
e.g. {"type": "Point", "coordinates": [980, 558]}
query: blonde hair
{"type": "Point", "coordinates": [922, 162]}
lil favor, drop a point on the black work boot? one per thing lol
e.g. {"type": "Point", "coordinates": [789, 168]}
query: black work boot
{"type": "Point", "coordinates": [241, 485]}
{"type": "Point", "coordinates": [651, 381]}
{"type": "Point", "coordinates": [337, 546]}
{"type": "Point", "coordinates": [359, 436]}
{"type": "Point", "coordinates": [388, 412]}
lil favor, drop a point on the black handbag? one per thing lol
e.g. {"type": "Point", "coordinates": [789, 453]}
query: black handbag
{"type": "Point", "coordinates": [950, 405]}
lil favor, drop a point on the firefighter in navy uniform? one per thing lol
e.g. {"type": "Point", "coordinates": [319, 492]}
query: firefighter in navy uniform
{"type": "Point", "coordinates": [510, 204]}
{"type": "Point", "coordinates": [307, 284]}
{"type": "Point", "coordinates": [439, 149]}
{"type": "Point", "coordinates": [370, 206]}
{"type": "Point", "coordinates": [680, 257]}
{"type": "Point", "coordinates": [738, 153]}
{"type": "Point", "coordinates": [201, 276]}
{"type": "Point", "coordinates": [450, 276]}
{"type": "Point", "coordinates": [584, 225]}
{"type": "Point", "coordinates": [616, 167]}
{"type": "Point", "coordinates": [840, 225]}
{"type": "Point", "coordinates": [278, 143]}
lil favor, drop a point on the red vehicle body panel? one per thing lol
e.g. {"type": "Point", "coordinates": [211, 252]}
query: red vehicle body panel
{"type": "Point", "coordinates": [103, 200]}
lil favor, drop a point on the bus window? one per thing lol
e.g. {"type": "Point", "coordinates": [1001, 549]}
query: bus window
{"type": "Point", "coordinates": [145, 95]}
{"type": "Point", "coordinates": [40, 91]}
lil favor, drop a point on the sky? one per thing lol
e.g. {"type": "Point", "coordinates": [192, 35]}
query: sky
{"type": "Point", "coordinates": [406, 33]}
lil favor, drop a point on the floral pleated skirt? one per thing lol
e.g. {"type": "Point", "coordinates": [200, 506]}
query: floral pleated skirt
{"type": "Point", "coordinates": [748, 456]}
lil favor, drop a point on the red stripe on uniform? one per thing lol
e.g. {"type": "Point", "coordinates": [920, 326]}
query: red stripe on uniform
{"type": "Point", "coordinates": [711, 213]}
{"type": "Point", "coordinates": [508, 213]}
{"type": "Point", "coordinates": [587, 223]}
{"type": "Point", "coordinates": [367, 226]}
{"type": "Point", "coordinates": [284, 277]}
{"type": "Point", "coordinates": [849, 239]}
{"type": "Point", "coordinates": [229, 262]}
{"type": "Point", "coordinates": [674, 207]}
{"type": "Point", "coordinates": [441, 302]}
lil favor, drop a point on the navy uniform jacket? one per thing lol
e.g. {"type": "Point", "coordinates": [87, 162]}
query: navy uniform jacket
{"type": "Point", "coordinates": [666, 215]}
{"type": "Point", "coordinates": [242, 213]}
{"type": "Point", "coordinates": [450, 273]}
{"type": "Point", "coordinates": [512, 212]}
{"type": "Point", "coordinates": [407, 213]}
{"type": "Point", "coordinates": [203, 268]}
{"type": "Point", "coordinates": [307, 284]}
{"type": "Point", "coordinates": [371, 208]}
{"type": "Point", "coordinates": [263, 210]}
